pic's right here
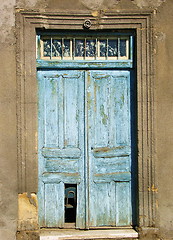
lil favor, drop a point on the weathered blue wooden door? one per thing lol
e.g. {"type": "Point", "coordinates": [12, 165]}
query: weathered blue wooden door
{"type": "Point", "coordinates": [109, 148]}
{"type": "Point", "coordinates": [84, 140]}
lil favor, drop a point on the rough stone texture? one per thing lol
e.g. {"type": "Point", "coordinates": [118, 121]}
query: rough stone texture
{"type": "Point", "coordinates": [163, 41]}
{"type": "Point", "coordinates": [27, 212]}
{"type": "Point", "coordinates": [7, 22]}
{"type": "Point", "coordinates": [27, 235]}
{"type": "Point", "coordinates": [148, 3]}
{"type": "Point", "coordinates": [148, 234]}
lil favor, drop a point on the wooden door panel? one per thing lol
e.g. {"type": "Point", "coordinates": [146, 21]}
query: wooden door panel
{"type": "Point", "coordinates": [54, 203]}
{"type": "Point", "coordinates": [84, 139]}
{"type": "Point", "coordinates": [110, 205]}
{"type": "Point", "coordinates": [109, 147]}
{"type": "Point", "coordinates": [102, 208]}
{"type": "Point", "coordinates": [61, 142]}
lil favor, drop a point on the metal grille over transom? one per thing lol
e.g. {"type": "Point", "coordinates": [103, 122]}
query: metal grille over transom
{"type": "Point", "coordinates": [91, 48]}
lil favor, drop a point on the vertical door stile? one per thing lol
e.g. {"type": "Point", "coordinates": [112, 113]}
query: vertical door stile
{"type": "Point", "coordinates": [41, 206]}
{"type": "Point", "coordinates": [86, 159]}
{"type": "Point", "coordinates": [81, 191]}
{"type": "Point", "coordinates": [61, 113]}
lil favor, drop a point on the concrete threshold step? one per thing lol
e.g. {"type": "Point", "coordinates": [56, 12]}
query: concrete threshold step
{"type": "Point", "coordinates": [65, 234]}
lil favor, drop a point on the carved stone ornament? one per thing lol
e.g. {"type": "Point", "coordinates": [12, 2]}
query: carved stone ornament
{"type": "Point", "coordinates": [87, 24]}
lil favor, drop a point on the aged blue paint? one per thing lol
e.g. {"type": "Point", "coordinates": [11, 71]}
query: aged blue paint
{"type": "Point", "coordinates": [109, 145]}
{"type": "Point", "coordinates": [79, 64]}
{"type": "Point", "coordinates": [61, 142]}
{"type": "Point", "coordinates": [84, 139]}
{"type": "Point", "coordinates": [61, 153]}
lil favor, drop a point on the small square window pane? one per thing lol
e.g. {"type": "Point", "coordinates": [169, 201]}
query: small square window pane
{"type": "Point", "coordinates": [90, 48]}
{"type": "Point", "coordinates": [47, 48]}
{"type": "Point", "coordinates": [123, 47]}
{"type": "Point", "coordinates": [103, 48]}
{"type": "Point", "coordinates": [56, 48]}
{"type": "Point", "coordinates": [79, 47]}
{"type": "Point", "coordinates": [112, 48]}
{"type": "Point", "coordinates": [66, 48]}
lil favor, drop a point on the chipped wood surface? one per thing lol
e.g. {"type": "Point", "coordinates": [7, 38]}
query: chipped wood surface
{"type": "Point", "coordinates": [84, 138]}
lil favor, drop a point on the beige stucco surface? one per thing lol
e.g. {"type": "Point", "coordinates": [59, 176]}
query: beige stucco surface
{"type": "Point", "coordinates": [8, 159]}
{"type": "Point", "coordinates": [163, 106]}
{"type": "Point", "coordinates": [164, 114]}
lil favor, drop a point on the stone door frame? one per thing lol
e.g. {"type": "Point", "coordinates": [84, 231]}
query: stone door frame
{"type": "Point", "coordinates": [26, 24]}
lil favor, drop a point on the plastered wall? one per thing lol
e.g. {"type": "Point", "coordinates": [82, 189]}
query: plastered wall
{"type": "Point", "coordinates": [8, 160]}
{"type": "Point", "coordinates": [163, 109]}
{"type": "Point", "coordinates": [164, 113]}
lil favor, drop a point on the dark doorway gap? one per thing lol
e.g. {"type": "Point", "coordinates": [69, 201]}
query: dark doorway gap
{"type": "Point", "coordinates": [70, 202]}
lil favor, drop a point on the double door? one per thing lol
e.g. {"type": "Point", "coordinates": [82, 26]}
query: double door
{"type": "Point", "coordinates": [84, 145]}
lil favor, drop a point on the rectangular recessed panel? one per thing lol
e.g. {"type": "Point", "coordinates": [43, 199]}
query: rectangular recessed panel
{"type": "Point", "coordinates": [62, 96]}
{"type": "Point", "coordinates": [54, 204]}
{"type": "Point", "coordinates": [110, 205]}
{"type": "Point", "coordinates": [112, 165]}
{"type": "Point", "coordinates": [121, 102]}
{"type": "Point", "coordinates": [63, 166]}
{"type": "Point", "coordinates": [51, 110]}
{"type": "Point", "coordinates": [123, 203]}
{"type": "Point", "coordinates": [112, 176]}
{"type": "Point", "coordinates": [101, 110]}
{"type": "Point", "coordinates": [121, 151]}
{"type": "Point", "coordinates": [102, 205]}
{"type": "Point", "coordinates": [61, 153]}
{"type": "Point", "coordinates": [57, 177]}
{"type": "Point", "coordinates": [71, 110]}
{"type": "Point", "coordinates": [109, 108]}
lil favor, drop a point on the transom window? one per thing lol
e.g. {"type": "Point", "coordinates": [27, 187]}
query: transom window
{"type": "Point", "coordinates": [104, 47]}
